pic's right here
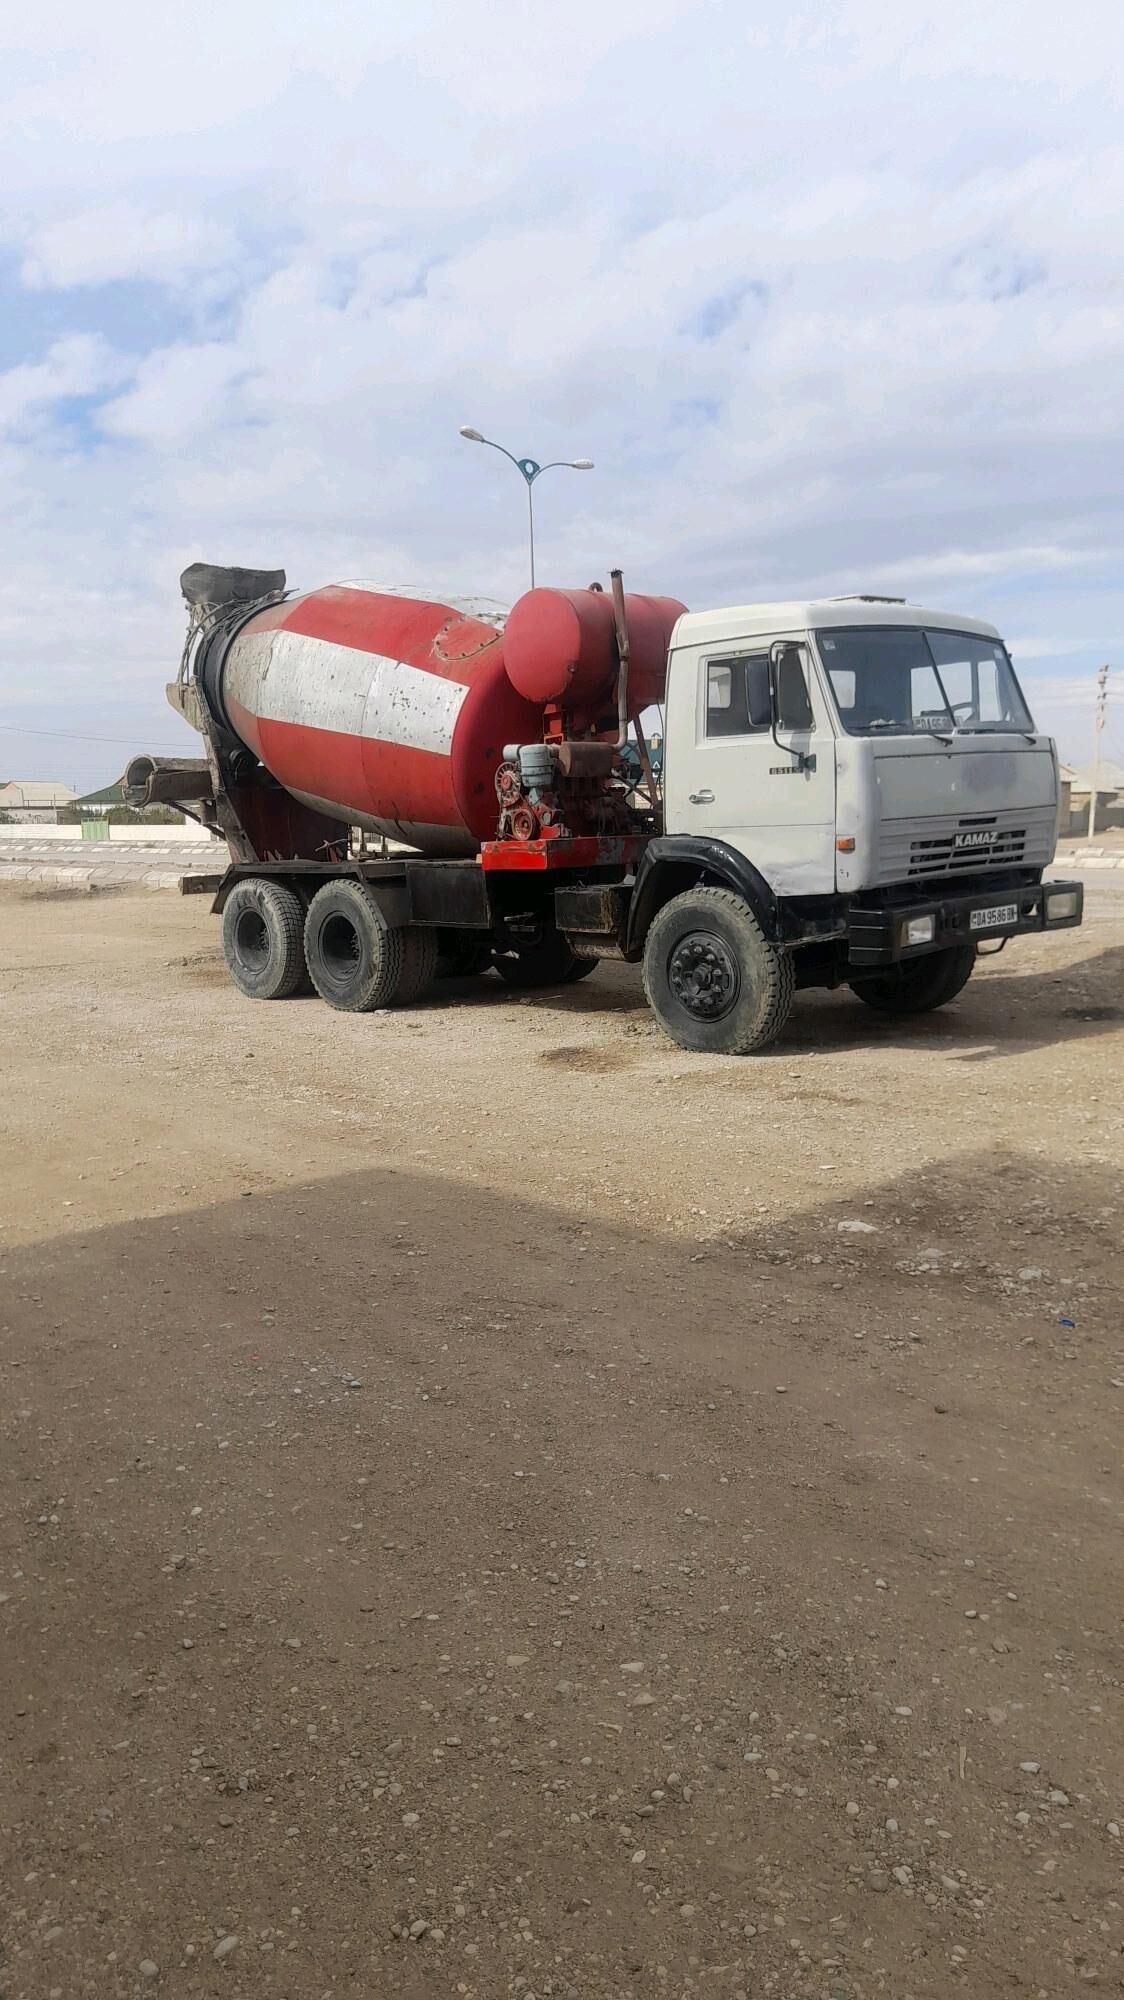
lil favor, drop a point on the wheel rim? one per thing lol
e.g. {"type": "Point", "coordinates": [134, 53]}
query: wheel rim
{"type": "Point", "coordinates": [340, 948]}
{"type": "Point", "coordinates": [251, 940]}
{"type": "Point", "coordinates": [703, 975]}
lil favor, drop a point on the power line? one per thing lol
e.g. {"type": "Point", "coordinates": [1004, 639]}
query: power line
{"type": "Point", "coordinates": [70, 735]}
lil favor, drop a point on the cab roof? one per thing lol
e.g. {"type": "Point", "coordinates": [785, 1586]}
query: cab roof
{"type": "Point", "coordinates": [810, 614]}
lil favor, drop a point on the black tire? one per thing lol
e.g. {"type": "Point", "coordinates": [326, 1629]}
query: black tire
{"type": "Point", "coordinates": [419, 964]}
{"type": "Point", "coordinates": [550, 962]}
{"type": "Point", "coordinates": [356, 961]}
{"type": "Point", "coordinates": [919, 985]}
{"type": "Point", "coordinates": [462, 961]}
{"type": "Point", "coordinates": [715, 982]}
{"type": "Point", "coordinates": [263, 939]}
{"type": "Point", "coordinates": [580, 969]}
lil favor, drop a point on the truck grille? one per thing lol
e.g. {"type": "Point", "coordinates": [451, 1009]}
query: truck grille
{"type": "Point", "coordinates": [923, 849]}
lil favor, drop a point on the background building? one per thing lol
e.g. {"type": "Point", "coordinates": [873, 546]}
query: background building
{"type": "Point", "coordinates": [33, 799]}
{"type": "Point", "coordinates": [1110, 798]}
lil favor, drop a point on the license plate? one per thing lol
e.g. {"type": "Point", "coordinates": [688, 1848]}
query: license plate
{"type": "Point", "coordinates": [995, 918]}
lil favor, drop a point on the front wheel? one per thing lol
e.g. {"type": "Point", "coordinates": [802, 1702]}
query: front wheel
{"type": "Point", "coordinates": [919, 985]}
{"type": "Point", "coordinates": [715, 982]}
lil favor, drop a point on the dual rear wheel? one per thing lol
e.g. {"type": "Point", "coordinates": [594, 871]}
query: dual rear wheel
{"type": "Point", "coordinates": [263, 940]}
{"type": "Point", "coordinates": [356, 961]}
{"type": "Point", "coordinates": [341, 945]}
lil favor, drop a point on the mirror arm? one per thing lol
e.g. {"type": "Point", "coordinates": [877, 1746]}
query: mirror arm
{"type": "Point", "coordinates": [800, 758]}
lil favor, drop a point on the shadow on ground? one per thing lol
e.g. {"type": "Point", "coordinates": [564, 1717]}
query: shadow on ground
{"type": "Point", "coordinates": [435, 1594]}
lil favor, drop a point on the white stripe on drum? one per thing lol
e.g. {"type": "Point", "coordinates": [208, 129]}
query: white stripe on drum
{"type": "Point", "coordinates": [314, 684]}
{"type": "Point", "coordinates": [286, 677]}
{"type": "Point", "coordinates": [408, 706]}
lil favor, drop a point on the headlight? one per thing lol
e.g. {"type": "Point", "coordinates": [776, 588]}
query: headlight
{"type": "Point", "coordinates": [919, 930]}
{"type": "Point", "coordinates": [1060, 903]}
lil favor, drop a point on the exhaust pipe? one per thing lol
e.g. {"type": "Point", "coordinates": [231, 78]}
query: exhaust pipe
{"type": "Point", "coordinates": [620, 619]}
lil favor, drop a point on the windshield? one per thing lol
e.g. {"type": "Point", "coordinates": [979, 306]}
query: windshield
{"type": "Point", "coordinates": [911, 682]}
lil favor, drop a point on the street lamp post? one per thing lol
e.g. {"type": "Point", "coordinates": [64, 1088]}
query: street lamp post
{"type": "Point", "coordinates": [530, 470]}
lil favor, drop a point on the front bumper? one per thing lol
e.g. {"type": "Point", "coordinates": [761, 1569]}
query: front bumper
{"type": "Point", "coordinates": [878, 934]}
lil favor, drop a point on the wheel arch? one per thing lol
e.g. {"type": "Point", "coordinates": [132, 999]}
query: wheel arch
{"type": "Point", "coordinates": [388, 892]}
{"type": "Point", "coordinates": [673, 863]}
{"type": "Point", "coordinates": [303, 887]}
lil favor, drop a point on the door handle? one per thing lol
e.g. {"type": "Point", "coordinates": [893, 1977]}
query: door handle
{"type": "Point", "coordinates": [701, 798]}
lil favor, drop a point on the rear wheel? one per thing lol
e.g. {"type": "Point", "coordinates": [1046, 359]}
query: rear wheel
{"type": "Point", "coordinates": [358, 962]}
{"type": "Point", "coordinates": [715, 982]}
{"type": "Point", "coordinates": [919, 985]}
{"type": "Point", "coordinates": [262, 939]}
{"type": "Point", "coordinates": [548, 962]}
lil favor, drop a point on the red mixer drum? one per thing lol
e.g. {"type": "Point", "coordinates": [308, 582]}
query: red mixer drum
{"type": "Point", "coordinates": [385, 710]}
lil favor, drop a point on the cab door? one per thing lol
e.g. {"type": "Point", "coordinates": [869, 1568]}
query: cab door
{"type": "Point", "coordinates": [727, 776]}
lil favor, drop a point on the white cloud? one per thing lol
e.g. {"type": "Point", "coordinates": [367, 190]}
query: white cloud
{"type": "Point", "coordinates": [176, 394]}
{"type": "Point", "coordinates": [78, 365]}
{"type": "Point", "coordinates": [1036, 646]}
{"type": "Point", "coordinates": [960, 567]}
{"type": "Point", "coordinates": [119, 240]}
{"type": "Point", "coordinates": [835, 301]}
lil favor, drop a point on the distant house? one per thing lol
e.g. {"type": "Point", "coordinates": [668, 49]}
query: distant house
{"type": "Point", "coordinates": [31, 799]}
{"type": "Point", "coordinates": [1110, 797]}
{"type": "Point", "coordinates": [111, 799]}
{"type": "Point", "coordinates": [103, 801]}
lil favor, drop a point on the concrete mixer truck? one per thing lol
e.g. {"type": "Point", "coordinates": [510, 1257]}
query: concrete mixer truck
{"type": "Point", "coordinates": [852, 792]}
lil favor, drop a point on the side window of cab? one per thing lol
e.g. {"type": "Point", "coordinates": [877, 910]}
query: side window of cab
{"type": "Point", "coordinates": [737, 695]}
{"type": "Point", "coordinates": [737, 692]}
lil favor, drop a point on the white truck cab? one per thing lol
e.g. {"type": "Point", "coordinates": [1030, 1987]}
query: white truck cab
{"type": "Point", "coordinates": [903, 748]}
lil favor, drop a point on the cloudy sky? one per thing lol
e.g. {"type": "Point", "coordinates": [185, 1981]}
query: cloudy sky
{"type": "Point", "coordinates": [833, 295]}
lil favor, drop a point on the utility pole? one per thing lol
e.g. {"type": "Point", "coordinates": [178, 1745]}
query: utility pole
{"type": "Point", "coordinates": [1098, 729]}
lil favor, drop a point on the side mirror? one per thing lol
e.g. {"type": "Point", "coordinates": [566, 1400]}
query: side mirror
{"type": "Point", "coordinates": [775, 651]}
{"type": "Point", "coordinates": [789, 706]}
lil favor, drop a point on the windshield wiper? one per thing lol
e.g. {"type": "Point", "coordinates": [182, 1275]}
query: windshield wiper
{"type": "Point", "coordinates": [906, 729]}
{"type": "Point", "coordinates": [996, 729]}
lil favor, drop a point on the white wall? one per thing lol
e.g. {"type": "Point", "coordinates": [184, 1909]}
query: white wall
{"type": "Point", "coordinates": [166, 836]}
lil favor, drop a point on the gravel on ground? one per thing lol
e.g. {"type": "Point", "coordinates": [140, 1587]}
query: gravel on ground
{"type": "Point", "coordinates": [491, 1504]}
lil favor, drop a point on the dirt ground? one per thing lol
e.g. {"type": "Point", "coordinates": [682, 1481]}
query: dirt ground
{"type": "Point", "coordinates": [491, 1504]}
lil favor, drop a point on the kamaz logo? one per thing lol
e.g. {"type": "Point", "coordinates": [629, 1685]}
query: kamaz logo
{"type": "Point", "coordinates": [982, 836]}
